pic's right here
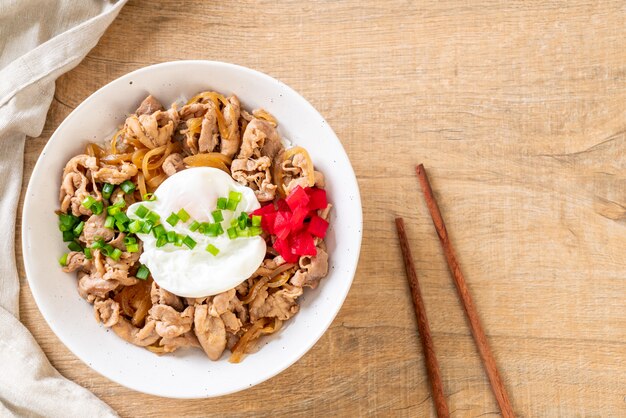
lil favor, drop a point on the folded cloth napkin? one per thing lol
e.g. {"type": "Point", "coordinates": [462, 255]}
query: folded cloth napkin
{"type": "Point", "coordinates": [39, 41]}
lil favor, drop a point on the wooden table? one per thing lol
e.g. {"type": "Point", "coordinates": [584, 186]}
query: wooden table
{"type": "Point", "coordinates": [518, 110]}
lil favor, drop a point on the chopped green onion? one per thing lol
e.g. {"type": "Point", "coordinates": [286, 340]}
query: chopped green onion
{"type": "Point", "coordinates": [211, 230]}
{"type": "Point", "coordinates": [115, 254]}
{"type": "Point", "coordinates": [204, 227]}
{"type": "Point", "coordinates": [98, 243]}
{"type": "Point", "coordinates": [218, 229]}
{"type": "Point", "coordinates": [231, 205]}
{"type": "Point", "coordinates": [135, 226]}
{"type": "Point", "coordinates": [232, 232]}
{"type": "Point", "coordinates": [132, 248]}
{"type": "Point", "coordinates": [109, 222]}
{"type": "Point", "coordinates": [63, 260]}
{"type": "Point", "coordinates": [107, 189]}
{"type": "Point", "coordinates": [234, 222]}
{"type": "Point", "coordinates": [172, 219]}
{"type": "Point", "coordinates": [241, 232]}
{"type": "Point", "coordinates": [68, 236]}
{"type": "Point", "coordinates": [255, 230]}
{"type": "Point", "coordinates": [107, 249]}
{"type": "Point", "coordinates": [97, 208]}
{"type": "Point", "coordinates": [194, 226]}
{"type": "Point", "coordinates": [217, 215]}
{"type": "Point", "coordinates": [242, 221]}
{"type": "Point", "coordinates": [149, 197]}
{"type": "Point", "coordinates": [183, 215]}
{"type": "Point", "coordinates": [179, 240]}
{"type": "Point", "coordinates": [171, 237]}
{"type": "Point", "coordinates": [121, 203]}
{"type": "Point", "coordinates": [114, 210]}
{"type": "Point", "coordinates": [87, 252]}
{"type": "Point", "coordinates": [256, 220]}
{"type": "Point", "coordinates": [120, 226]}
{"type": "Point", "coordinates": [161, 241]}
{"type": "Point", "coordinates": [121, 217]}
{"type": "Point", "coordinates": [67, 222]}
{"type": "Point", "coordinates": [130, 240]}
{"type": "Point", "coordinates": [75, 246]}
{"type": "Point", "coordinates": [142, 211]}
{"type": "Point", "coordinates": [234, 196]}
{"type": "Point", "coordinates": [142, 273]}
{"type": "Point", "coordinates": [222, 202]}
{"type": "Point", "coordinates": [153, 217]}
{"type": "Point", "coordinates": [128, 186]}
{"type": "Point", "coordinates": [88, 202]}
{"type": "Point", "coordinates": [158, 231]}
{"type": "Point", "coordinates": [189, 242]}
{"type": "Point", "coordinates": [212, 249]}
{"type": "Point", "coordinates": [147, 227]}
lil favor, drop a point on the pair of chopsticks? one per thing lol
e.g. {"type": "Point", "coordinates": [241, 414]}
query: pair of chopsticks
{"type": "Point", "coordinates": [432, 366]}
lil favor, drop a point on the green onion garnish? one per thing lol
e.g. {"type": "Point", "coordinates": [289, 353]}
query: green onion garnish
{"type": "Point", "coordinates": [194, 226]}
{"type": "Point", "coordinates": [115, 254]}
{"type": "Point", "coordinates": [212, 249]}
{"type": "Point", "coordinates": [88, 202]}
{"type": "Point", "coordinates": [255, 230]}
{"type": "Point", "coordinates": [171, 237]}
{"type": "Point", "coordinates": [79, 228]}
{"type": "Point", "coordinates": [107, 249]}
{"type": "Point", "coordinates": [130, 240]}
{"type": "Point", "coordinates": [212, 230]}
{"type": "Point", "coordinates": [172, 219]}
{"type": "Point", "coordinates": [183, 215]}
{"type": "Point", "coordinates": [142, 211]}
{"type": "Point", "coordinates": [189, 242]}
{"type": "Point", "coordinates": [97, 208]}
{"type": "Point", "coordinates": [121, 217]}
{"type": "Point", "coordinates": [241, 232]}
{"type": "Point", "coordinates": [147, 227]}
{"type": "Point", "coordinates": [120, 226]}
{"type": "Point", "coordinates": [128, 186]}
{"type": "Point", "coordinates": [179, 240]}
{"type": "Point", "coordinates": [68, 236]}
{"type": "Point", "coordinates": [153, 217]}
{"type": "Point", "coordinates": [107, 189]}
{"type": "Point", "coordinates": [132, 248]}
{"type": "Point", "coordinates": [222, 202]}
{"type": "Point", "coordinates": [232, 232]}
{"type": "Point", "coordinates": [161, 241]}
{"type": "Point", "coordinates": [217, 215]}
{"type": "Point", "coordinates": [142, 273]}
{"type": "Point", "coordinates": [98, 243]}
{"type": "Point", "coordinates": [149, 197]}
{"type": "Point", "coordinates": [67, 222]}
{"type": "Point", "coordinates": [114, 210]}
{"type": "Point", "coordinates": [256, 220]}
{"type": "Point", "coordinates": [234, 196]}
{"type": "Point", "coordinates": [158, 231]}
{"type": "Point", "coordinates": [75, 246]}
{"type": "Point", "coordinates": [232, 205]}
{"type": "Point", "coordinates": [63, 260]}
{"type": "Point", "coordinates": [135, 226]}
{"type": "Point", "coordinates": [87, 252]}
{"type": "Point", "coordinates": [109, 222]}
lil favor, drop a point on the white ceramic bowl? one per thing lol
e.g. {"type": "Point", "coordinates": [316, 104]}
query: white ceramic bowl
{"type": "Point", "coordinates": [186, 373]}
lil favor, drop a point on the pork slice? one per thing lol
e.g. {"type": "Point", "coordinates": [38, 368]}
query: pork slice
{"type": "Point", "coordinates": [210, 331]}
{"type": "Point", "coordinates": [255, 173]}
{"type": "Point", "coordinates": [173, 164]}
{"type": "Point", "coordinates": [169, 322]}
{"type": "Point", "coordinates": [209, 133]}
{"type": "Point", "coordinates": [160, 296]}
{"type": "Point", "coordinates": [230, 145]}
{"type": "Point", "coordinates": [92, 286]}
{"type": "Point", "coordinates": [107, 312]}
{"type": "Point", "coordinates": [115, 174]}
{"type": "Point", "coordinates": [94, 229]}
{"type": "Point", "coordinates": [312, 270]}
{"type": "Point", "coordinates": [281, 304]}
{"type": "Point", "coordinates": [188, 339]}
{"type": "Point", "coordinates": [149, 105]}
{"type": "Point", "coordinates": [260, 139]}
{"type": "Point", "coordinates": [75, 261]}
{"type": "Point", "coordinates": [138, 336]}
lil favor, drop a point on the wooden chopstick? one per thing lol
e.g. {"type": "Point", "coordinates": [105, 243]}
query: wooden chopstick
{"type": "Point", "coordinates": [432, 366]}
{"type": "Point", "coordinates": [459, 280]}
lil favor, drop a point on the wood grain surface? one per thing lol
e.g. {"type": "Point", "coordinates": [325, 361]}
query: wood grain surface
{"type": "Point", "coordinates": [517, 109]}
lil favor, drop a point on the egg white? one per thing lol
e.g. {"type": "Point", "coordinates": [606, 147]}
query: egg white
{"type": "Point", "coordinates": [196, 272]}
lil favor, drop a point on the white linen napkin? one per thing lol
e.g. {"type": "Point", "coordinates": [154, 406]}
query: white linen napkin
{"type": "Point", "coordinates": [39, 41]}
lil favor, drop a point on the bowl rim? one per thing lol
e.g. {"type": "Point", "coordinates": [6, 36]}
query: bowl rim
{"type": "Point", "coordinates": [357, 219]}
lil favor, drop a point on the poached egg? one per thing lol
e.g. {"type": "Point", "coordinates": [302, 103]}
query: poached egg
{"type": "Point", "coordinates": [196, 272]}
